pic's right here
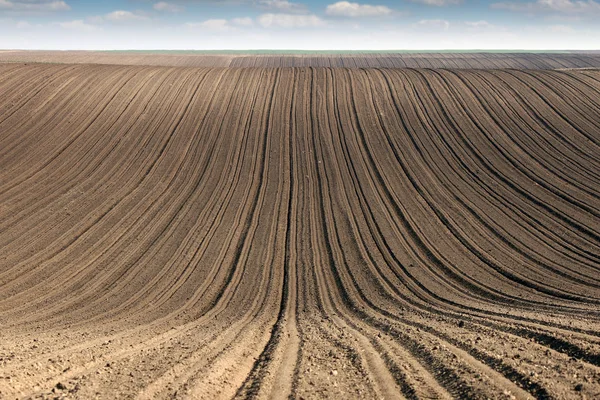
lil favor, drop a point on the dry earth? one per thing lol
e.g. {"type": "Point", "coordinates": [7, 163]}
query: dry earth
{"type": "Point", "coordinates": [173, 232]}
{"type": "Point", "coordinates": [541, 61]}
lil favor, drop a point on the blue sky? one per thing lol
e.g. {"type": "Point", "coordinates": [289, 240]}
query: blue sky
{"type": "Point", "coordinates": [297, 24]}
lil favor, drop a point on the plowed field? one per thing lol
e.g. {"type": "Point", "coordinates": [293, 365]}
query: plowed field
{"type": "Point", "coordinates": [173, 232]}
{"type": "Point", "coordinates": [370, 60]}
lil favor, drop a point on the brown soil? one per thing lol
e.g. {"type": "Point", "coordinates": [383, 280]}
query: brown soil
{"type": "Point", "coordinates": [544, 61]}
{"type": "Point", "coordinates": [171, 232]}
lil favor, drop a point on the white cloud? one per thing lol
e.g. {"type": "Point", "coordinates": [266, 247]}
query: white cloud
{"type": "Point", "coordinates": [438, 3]}
{"type": "Point", "coordinates": [168, 7]}
{"type": "Point", "coordinates": [562, 29]}
{"type": "Point", "coordinates": [353, 10]}
{"type": "Point", "coordinates": [34, 5]}
{"type": "Point", "coordinates": [560, 6]}
{"type": "Point", "coordinates": [438, 24]}
{"type": "Point", "coordinates": [247, 21]}
{"type": "Point", "coordinates": [122, 16]}
{"type": "Point", "coordinates": [79, 25]}
{"type": "Point", "coordinates": [221, 25]}
{"type": "Point", "coordinates": [118, 16]}
{"type": "Point", "coordinates": [212, 25]}
{"type": "Point", "coordinates": [289, 21]}
{"type": "Point", "coordinates": [479, 24]}
{"type": "Point", "coordinates": [282, 6]}
{"type": "Point", "coordinates": [97, 19]}
{"type": "Point", "coordinates": [23, 25]}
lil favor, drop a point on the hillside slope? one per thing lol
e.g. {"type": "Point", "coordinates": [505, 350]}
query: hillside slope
{"type": "Point", "coordinates": [313, 232]}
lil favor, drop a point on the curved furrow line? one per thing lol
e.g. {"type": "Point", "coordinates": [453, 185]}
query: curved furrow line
{"type": "Point", "coordinates": [399, 266]}
{"type": "Point", "coordinates": [25, 86]}
{"type": "Point", "coordinates": [349, 199]}
{"type": "Point", "coordinates": [184, 375]}
{"type": "Point", "coordinates": [212, 310]}
{"type": "Point", "coordinates": [591, 79]}
{"type": "Point", "coordinates": [106, 212]}
{"type": "Point", "coordinates": [530, 335]}
{"type": "Point", "coordinates": [445, 312]}
{"type": "Point", "coordinates": [414, 143]}
{"type": "Point", "coordinates": [99, 279]}
{"type": "Point", "coordinates": [554, 115]}
{"type": "Point", "coordinates": [516, 123]}
{"type": "Point", "coordinates": [163, 192]}
{"type": "Point", "coordinates": [196, 324]}
{"type": "Point", "coordinates": [556, 188]}
{"type": "Point", "coordinates": [428, 256]}
{"type": "Point", "coordinates": [99, 106]}
{"type": "Point", "coordinates": [9, 71]}
{"type": "Point", "coordinates": [578, 144]}
{"type": "Point", "coordinates": [335, 259]}
{"type": "Point", "coordinates": [419, 389]}
{"type": "Point", "coordinates": [381, 243]}
{"type": "Point", "coordinates": [428, 359]}
{"type": "Point", "coordinates": [286, 317]}
{"type": "Point", "coordinates": [471, 247]}
{"type": "Point", "coordinates": [372, 233]}
{"type": "Point", "coordinates": [312, 232]}
{"type": "Point", "coordinates": [236, 254]}
{"type": "Point", "coordinates": [91, 159]}
{"type": "Point", "coordinates": [189, 329]}
{"type": "Point", "coordinates": [577, 226]}
{"type": "Point", "coordinates": [185, 182]}
{"type": "Point", "coordinates": [551, 94]}
{"type": "Point", "coordinates": [222, 203]}
{"type": "Point", "coordinates": [547, 267]}
{"type": "Point", "coordinates": [457, 192]}
{"type": "Point", "coordinates": [383, 283]}
{"type": "Point", "coordinates": [345, 165]}
{"type": "Point", "coordinates": [555, 239]}
{"type": "Point", "coordinates": [340, 276]}
{"type": "Point", "coordinates": [323, 293]}
{"type": "Point", "coordinates": [523, 253]}
{"type": "Point", "coordinates": [496, 172]}
{"type": "Point", "coordinates": [276, 234]}
{"type": "Point", "coordinates": [570, 86]}
{"type": "Point", "coordinates": [173, 213]}
{"type": "Point", "coordinates": [194, 239]}
{"type": "Point", "coordinates": [490, 193]}
{"type": "Point", "coordinates": [383, 246]}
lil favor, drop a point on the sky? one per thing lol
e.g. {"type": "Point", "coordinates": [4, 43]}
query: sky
{"type": "Point", "coordinates": [300, 24]}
